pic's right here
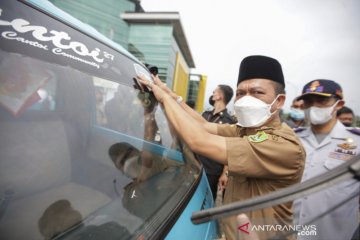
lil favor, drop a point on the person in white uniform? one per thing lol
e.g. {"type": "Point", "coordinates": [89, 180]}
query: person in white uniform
{"type": "Point", "coordinates": [327, 144]}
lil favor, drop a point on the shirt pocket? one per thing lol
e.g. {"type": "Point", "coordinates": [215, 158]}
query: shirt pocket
{"type": "Point", "coordinates": [332, 163]}
{"type": "Point", "coordinates": [238, 187]}
{"type": "Point", "coordinates": [347, 187]}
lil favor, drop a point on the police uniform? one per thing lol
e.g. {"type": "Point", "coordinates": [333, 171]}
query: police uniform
{"type": "Point", "coordinates": [212, 168]}
{"type": "Point", "coordinates": [339, 146]}
{"type": "Point", "coordinates": [261, 161]}
{"type": "Point", "coordinates": [326, 151]}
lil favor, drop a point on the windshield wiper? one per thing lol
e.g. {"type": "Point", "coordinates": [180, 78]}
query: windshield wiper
{"type": "Point", "coordinates": [347, 170]}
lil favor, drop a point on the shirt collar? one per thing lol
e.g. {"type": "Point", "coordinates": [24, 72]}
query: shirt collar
{"type": "Point", "coordinates": [275, 124]}
{"type": "Point", "coordinates": [218, 113]}
{"type": "Point", "coordinates": [339, 131]}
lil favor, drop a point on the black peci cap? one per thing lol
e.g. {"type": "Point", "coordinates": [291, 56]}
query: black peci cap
{"type": "Point", "coordinates": [258, 66]}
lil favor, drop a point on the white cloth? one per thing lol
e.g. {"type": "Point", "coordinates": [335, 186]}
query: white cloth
{"type": "Point", "coordinates": [321, 158]}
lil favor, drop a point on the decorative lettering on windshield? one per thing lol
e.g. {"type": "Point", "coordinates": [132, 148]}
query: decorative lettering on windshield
{"type": "Point", "coordinates": [60, 40]}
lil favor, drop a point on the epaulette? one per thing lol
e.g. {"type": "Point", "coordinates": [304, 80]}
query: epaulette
{"type": "Point", "coordinates": [354, 130]}
{"type": "Point", "coordinates": [299, 129]}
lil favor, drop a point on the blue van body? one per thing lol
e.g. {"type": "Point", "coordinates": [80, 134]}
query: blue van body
{"type": "Point", "coordinates": [184, 228]}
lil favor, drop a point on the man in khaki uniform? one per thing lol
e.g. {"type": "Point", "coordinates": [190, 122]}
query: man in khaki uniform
{"type": "Point", "coordinates": [262, 154]}
{"type": "Point", "coordinates": [266, 164]}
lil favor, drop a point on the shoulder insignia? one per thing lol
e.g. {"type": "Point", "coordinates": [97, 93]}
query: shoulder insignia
{"type": "Point", "coordinates": [258, 137]}
{"type": "Point", "coordinates": [354, 130]}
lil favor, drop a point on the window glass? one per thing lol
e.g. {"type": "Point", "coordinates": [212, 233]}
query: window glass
{"type": "Point", "coordinates": [83, 152]}
{"type": "Point", "coordinates": [122, 109]}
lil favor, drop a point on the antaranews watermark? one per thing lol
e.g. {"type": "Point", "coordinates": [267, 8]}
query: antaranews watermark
{"type": "Point", "coordinates": [302, 230]}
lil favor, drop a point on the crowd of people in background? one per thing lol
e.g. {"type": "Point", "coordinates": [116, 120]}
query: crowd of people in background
{"type": "Point", "coordinates": [295, 117]}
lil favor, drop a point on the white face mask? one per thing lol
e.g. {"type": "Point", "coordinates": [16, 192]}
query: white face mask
{"type": "Point", "coordinates": [131, 167]}
{"type": "Point", "coordinates": [318, 116]}
{"type": "Point", "coordinates": [252, 112]}
{"type": "Point", "coordinates": [296, 114]}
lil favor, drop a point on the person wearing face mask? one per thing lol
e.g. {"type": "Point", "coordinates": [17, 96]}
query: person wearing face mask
{"type": "Point", "coordinates": [328, 144]}
{"type": "Point", "coordinates": [296, 114]}
{"type": "Point", "coordinates": [346, 116]}
{"type": "Point", "coordinates": [219, 114]}
{"type": "Point", "coordinates": [262, 154]}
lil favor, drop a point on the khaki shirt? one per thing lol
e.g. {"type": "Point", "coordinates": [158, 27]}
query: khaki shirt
{"type": "Point", "coordinates": [261, 161]}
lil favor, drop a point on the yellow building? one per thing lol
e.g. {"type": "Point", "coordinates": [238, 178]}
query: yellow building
{"type": "Point", "coordinates": [196, 90]}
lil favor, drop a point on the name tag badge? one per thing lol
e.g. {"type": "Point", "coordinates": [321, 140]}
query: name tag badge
{"type": "Point", "coordinates": [340, 156]}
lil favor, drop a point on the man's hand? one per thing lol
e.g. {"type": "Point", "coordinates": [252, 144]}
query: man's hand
{"type": "Point", "coordinates": [162, 85]}
{"type": "Point", "coordinates": [223, 180]}
{"type": "Point", "coordinates": [159, 93]}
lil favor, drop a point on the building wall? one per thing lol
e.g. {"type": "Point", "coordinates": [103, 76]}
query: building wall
{"type": "Point", "coordinates": [153, 46]}
{"type": "Point", "coordinates": [193, 88]}
{"type": "Point", "coordinates": [103, 15]}
{"type": "Point", "coordinates": [201, 94]}
{"type": "Point", "coordinates": [181, 77]}
{"type": "Point", "coordinates": [196, 91]}
{"type": "Point", "coordinates": [173, 51]}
